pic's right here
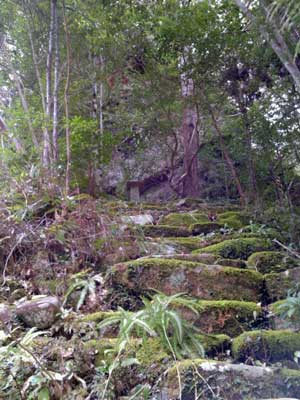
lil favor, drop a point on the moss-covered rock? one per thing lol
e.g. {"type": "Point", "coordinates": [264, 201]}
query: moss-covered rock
{"type": "Point", "coordinates": [267, 346]}
{"type": "Point", "coordinates": [230, 381]}
{"type": "Point", "coordinates": [166, 230]}
{"type": "Point", "coordinates": [184, 219]}
{"type": "Point", "coordinates": [270, 261]}
{"type": "Point", "coordinates": [237, 248]}
{"type": "Point", "coordinates": [225, 316]}
{"type": "Point", "coordinates": [203, 258]}
{"type": "Point", "coordinates": [278, 284]}
{"type": "Point", "coordinates": [205, 228]}
{"type": "Point", "coordinates": [233, 219]}
{"type": "Point", "coordinates": [199, 280]}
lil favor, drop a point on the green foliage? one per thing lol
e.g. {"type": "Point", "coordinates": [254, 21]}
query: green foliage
{"type": "Point", "coordinates": [86, 288]}
{"type": "Point", "coordinates": [289, 308]}
{"type": "Point", "coordinates": [159, 319]}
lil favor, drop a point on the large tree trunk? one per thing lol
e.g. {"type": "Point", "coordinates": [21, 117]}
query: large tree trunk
{"type": "Point", "coordinates": [190, 140]}
{"type": "Point", "coordinates": [274, 37]}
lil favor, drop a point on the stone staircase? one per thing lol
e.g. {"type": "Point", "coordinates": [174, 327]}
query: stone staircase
{"type": "Point", "coordinates": [235, 274]}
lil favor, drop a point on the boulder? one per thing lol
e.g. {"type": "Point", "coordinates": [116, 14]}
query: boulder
{"type": "Point", "coordinates": [40, 312]}
{"type": "Point", "coordinates": [199, 280]}
{"type": "Point", "coordinates": [266, 346]}
{"type": "Point", "coordinates": [216, 379]}
{"type": "Point", "coordinates": [142, 219]}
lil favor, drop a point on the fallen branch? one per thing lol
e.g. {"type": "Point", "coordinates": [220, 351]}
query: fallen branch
{"type": "Point", "coordinates": [294, 253]}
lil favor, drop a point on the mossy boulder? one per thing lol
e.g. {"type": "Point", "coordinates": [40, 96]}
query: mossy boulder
{"type": "Point", "coordinates": [199, 280]}
{"type": "Point", "coordinates": [270, 261]}
{"type": "Point", "coordinates": [166, 230]}
{"type": "Point", "coordinates": [267, 346]}
{"type": "Point", "coordinates": [184, 219]}
{"type": "Point", "coordinates": [230, 317]}
{"type": "Point", "coordinates": [237, 248]}
{"type": "Point", "coordinates": [230, 381]}
{"type": "Point", "coordinates": [233, 219]}
{"type": "Point", "coordinates": [204, 258]}
{"type": "Point", "coordinates": [278, 284]}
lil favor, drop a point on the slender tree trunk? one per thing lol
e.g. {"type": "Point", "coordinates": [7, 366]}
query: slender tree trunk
{"type": "Point", "coordinates": [229, 160]}
{"type": "Point", "coordinates": [66, 99]}
{"type": "Point", "coordinates": [19, 86]}
{"type": "Point", "coordinates": [47, 146]}
{"type": "Point", "coordinates": [46, 137]}
{"type": "Point", "coordinates": [276, 41]}
{"type": "Point", "coordinates": [55, 87]}
{"type": "Point", "coordinates": [253, 189]}
{"type": "Point", "coordinates": [190, 140]}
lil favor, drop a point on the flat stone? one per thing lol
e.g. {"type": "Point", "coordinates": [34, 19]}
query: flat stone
{"type": "Point", "coordinates": [40, 312]}
{"type": "Point", "coordinates": [142, 219]}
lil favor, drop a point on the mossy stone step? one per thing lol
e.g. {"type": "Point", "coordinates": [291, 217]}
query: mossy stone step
{"type": "Point", "coordinates": [149, 351]}
{"type": "Point", "coordinates": [278, 284]}
{"type": "Point", "coordinates": [237, 248]}
{"type": "Point", "coordinates": [207, 282]}
{"type": "Point", "coordinates": [270, 261]}
{"type": "Point", "coordinates": [266, 346]}
{"type": "Point", "coordinates": [166, 230]}
{"type": "Point", "coordinates": [216, 379]}
{"type": "Point", "coordinates": [229, 317]}
{"type": "Point", "coordinates": [231, 219]}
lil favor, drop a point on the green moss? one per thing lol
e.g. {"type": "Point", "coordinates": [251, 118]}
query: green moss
{"type": "Point", "coordinates": [184, 219]}
{"type": "Point", "coordinates": [269, 261]}
{"type": "Point", "coordinates": [151, 352]}
{"type": "Point", "coordinates": [97, 316]}
{"type": "Point", "coordinates": [166, 230]}
{"type": "Point", "coordinates": [233, 219]}
{"type": "Point", "coordinates": [214, 344]}
{"type": "Point", "coordinates": [267, 346]}
{"type": "Point", "coordinates": [237, 248]}
{"type": "Point", "coordinates": [198, 280]}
